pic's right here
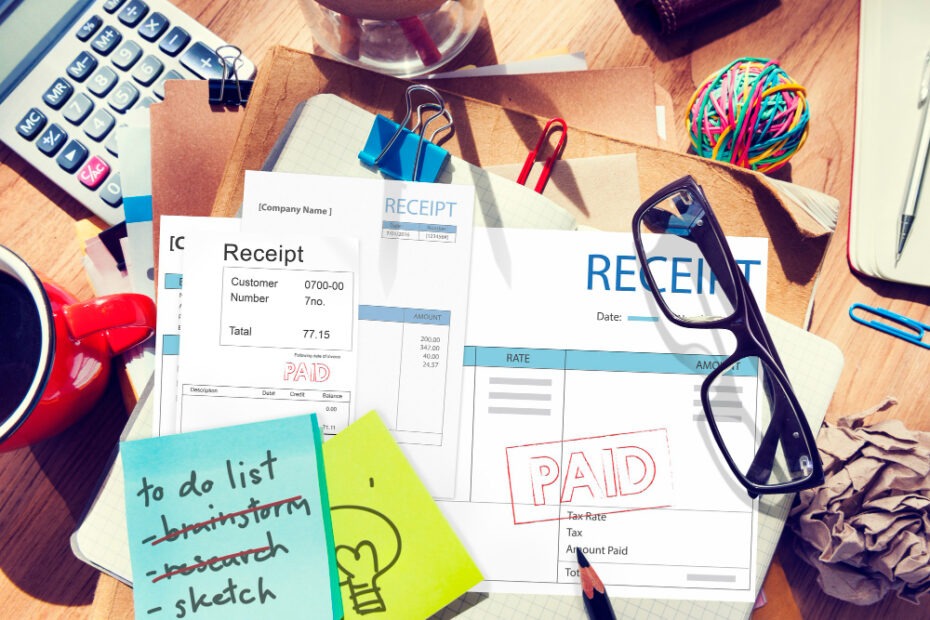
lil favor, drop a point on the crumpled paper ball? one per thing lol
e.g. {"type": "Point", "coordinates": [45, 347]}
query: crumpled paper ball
{"type": "Point", "coordinates": [867, 529]}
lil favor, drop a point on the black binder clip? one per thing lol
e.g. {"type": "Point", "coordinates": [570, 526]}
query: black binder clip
{"type": "Point", "coordinates": [111, 241]}
{"type": "Point", "coordinates": [230, 90]}
{"type": "Point", "coordinates": [402, 153]}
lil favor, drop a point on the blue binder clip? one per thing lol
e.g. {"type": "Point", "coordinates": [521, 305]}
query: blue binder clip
{"type": "Point", "coordinates": [405, 154]}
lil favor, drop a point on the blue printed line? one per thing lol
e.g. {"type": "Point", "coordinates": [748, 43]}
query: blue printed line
{"type": "Point", "coordinates": [170, 344]}
{"type": "Point", "coordinates": [608, 361]}
{"type": "Point", "coordinates": [438, 228]}
{"type": "Point", "coordinates": [418, 227]}
{"type": "Point", "coordinates": [389, 225]}
{"type": "Point", "coordinates": [389, 314]}
{"type": "Point", "coordinates": [137, 209]}
{"type": "Point", "coordinates": [173, 281]}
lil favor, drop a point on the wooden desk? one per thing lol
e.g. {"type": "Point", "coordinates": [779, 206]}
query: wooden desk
{"type": "Point", "coordinates": [44, 490]}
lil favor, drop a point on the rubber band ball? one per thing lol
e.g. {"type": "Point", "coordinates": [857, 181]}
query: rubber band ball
{"type": "Point", "coordinates": [750, 113]}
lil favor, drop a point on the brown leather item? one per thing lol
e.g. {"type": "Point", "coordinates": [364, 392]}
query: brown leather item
{"type": "Point", "coordinates": [675, 14]}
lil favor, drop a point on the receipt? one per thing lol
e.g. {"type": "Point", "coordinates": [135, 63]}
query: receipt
{"type": "Point", "coordinates": [415, 255]}
{"type": "Point", "coordinates": [269, 329]}
{"type": "Point", "coordinates": [173, 240]}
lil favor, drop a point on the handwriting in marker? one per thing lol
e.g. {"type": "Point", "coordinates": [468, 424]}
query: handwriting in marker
{"type": "Point", "coordinates": [255, 537]}
{"type": "Point", "coordinates": [193, 567]}
{"type": "Point", "coordinates": [175, 533]}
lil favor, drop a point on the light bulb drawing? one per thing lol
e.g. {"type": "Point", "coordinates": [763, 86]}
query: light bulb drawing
{"type": "Point", "coordinates": [364, 558]}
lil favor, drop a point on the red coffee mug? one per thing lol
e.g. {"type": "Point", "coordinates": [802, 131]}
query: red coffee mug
{"type": "Point", "coordinates": [55, 351]}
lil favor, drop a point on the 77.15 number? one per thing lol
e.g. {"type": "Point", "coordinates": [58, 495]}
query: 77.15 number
{"type": "Point", "coordinates": [316, 334]}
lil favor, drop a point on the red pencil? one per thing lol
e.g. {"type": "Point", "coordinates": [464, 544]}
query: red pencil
{"type": "Point", "coordinates": [593, 592]}
{"type": "Point", "coordinates": [419, 38]}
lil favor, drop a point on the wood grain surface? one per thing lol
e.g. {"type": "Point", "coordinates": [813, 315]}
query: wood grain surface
{"type": "Point", "coordinates": [43, 490]}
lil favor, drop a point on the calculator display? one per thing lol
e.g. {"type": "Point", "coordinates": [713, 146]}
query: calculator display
{"type": "Point", "coordinates": [27, 29]}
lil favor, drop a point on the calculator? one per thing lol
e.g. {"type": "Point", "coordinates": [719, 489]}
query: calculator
{"type": "Point", "coordinates": [69, 70]}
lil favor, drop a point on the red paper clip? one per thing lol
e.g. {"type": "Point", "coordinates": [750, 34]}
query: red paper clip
{"type": "Point", "coordinates": [550, 161]}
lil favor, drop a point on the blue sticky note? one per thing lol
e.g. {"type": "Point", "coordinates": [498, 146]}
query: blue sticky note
{"type": "Point", "coordinates": [231, 522]}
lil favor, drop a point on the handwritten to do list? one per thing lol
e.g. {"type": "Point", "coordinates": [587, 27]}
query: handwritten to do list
{"type": "Point", "coordinates": [231, 523]}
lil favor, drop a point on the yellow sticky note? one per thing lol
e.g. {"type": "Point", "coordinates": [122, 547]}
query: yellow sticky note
{"type": "Point", "coordinates": [85, 229]}
{"type": "Point", "coordinates": [397, 555]}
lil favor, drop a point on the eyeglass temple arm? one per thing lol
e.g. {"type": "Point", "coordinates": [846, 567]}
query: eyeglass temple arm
{"type": "Point", "coordinates": [782, 428]}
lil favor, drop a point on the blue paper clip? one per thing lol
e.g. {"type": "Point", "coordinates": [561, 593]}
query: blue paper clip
{"type": "Point", "coordinates": [891, 323]}
{"type": "Point", "coordinates": [402, 153]}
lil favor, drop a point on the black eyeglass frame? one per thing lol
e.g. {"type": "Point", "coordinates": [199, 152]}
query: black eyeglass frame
{"type": "Point", "coordinates": [752, 338]}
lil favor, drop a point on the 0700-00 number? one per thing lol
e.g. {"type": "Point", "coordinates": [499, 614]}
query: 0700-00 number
{"type": "Point", "coordinates": [324, 285]}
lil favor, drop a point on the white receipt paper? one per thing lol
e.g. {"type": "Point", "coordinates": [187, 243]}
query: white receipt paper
{"type": "Point", "coordinates": [415, 254]}
{"type": "Point", "coordinates": [269, 329]}
{"type": "Point", "coordinates": [583, 425]}
{"type": "Point", "coordinates": [174, 232]}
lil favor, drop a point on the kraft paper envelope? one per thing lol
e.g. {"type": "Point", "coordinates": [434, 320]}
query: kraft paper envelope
{"type": "Point", "coordinates": [606, 184]}
{"type": "Point", "coordinates": [619, 102]}
{"type": "Point", "coordinates": [191, 141]}
{"type": "Point", "coordinates": [486, 135]}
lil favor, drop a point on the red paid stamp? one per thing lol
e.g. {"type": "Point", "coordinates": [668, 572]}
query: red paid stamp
{"type": "Point", "coordinates": [596, 475]}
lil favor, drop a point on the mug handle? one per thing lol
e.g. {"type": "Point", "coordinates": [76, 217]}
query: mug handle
{"type": "Point", "coordinates": [124, 319]}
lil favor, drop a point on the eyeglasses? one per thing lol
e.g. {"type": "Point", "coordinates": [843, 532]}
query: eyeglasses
{"type": "Point", "coordinates": [749, 391]}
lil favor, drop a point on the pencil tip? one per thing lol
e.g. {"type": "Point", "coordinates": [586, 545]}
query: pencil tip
{"type": "Point", "coordinates": [582, 561]}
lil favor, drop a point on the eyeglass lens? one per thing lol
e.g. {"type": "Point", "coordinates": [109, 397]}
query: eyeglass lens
{"type": "Point", "coordinates": [758, 423]}
{"type": "Point", "coordinates": [693, 285]}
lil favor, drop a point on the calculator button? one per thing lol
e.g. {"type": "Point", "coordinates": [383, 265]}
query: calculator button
{"type": "Point", "coordinates": [174, 41]}
{"type": "Point", "coordinates": [123, 97]}
{"type": "Point", "coordinates": [127, 55]}
{"type": "Point", "coordinates": [153, 26]}
{"type": "Point", "coordinates": [203, 62]}
{"type": "Point", "coordinates": [110, 6]}
{"type": "Point", "coordinates": [72, 156]}
{"type": "Point", "coordinates": [133, 12]}
{"type": "Point", "coordinates": [111, 145]}
{"type": "Point", "coordinates": [58, 93]}
{"type": "Point", "coordinates": [102, 81]}
{"type": "Point", "coordinates": [145, 102]}
{"type": "Point", "coordinates": [89, 27]}
{"type": "Point", "coordinates": [159, 89]}
{"type": "Point", "coordinates": [106, 40]}
{"type": "Point", "coordinates": [81, 66]}
{"type": "Point", "coordinates": [94, 172]}
{"type": "Point", "coordinates": [99, 124]}
{"type": "Point", "coordinates": [31, 124]}
{"type": "Point", "coordinates": [78, 108]}
{"type": "Point", "coordinates": [147, 70]}
{"type": "Point", "coordinates": [111, 192]}
{"type": "Point", "coordinates": [52, 140]}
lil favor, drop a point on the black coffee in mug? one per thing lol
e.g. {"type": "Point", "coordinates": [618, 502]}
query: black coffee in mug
{"type": "Point", "coordinates": [20, 342]}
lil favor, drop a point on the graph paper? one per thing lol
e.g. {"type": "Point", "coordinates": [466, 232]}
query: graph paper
{"type": "Point", "coordinates": [324, 137]}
